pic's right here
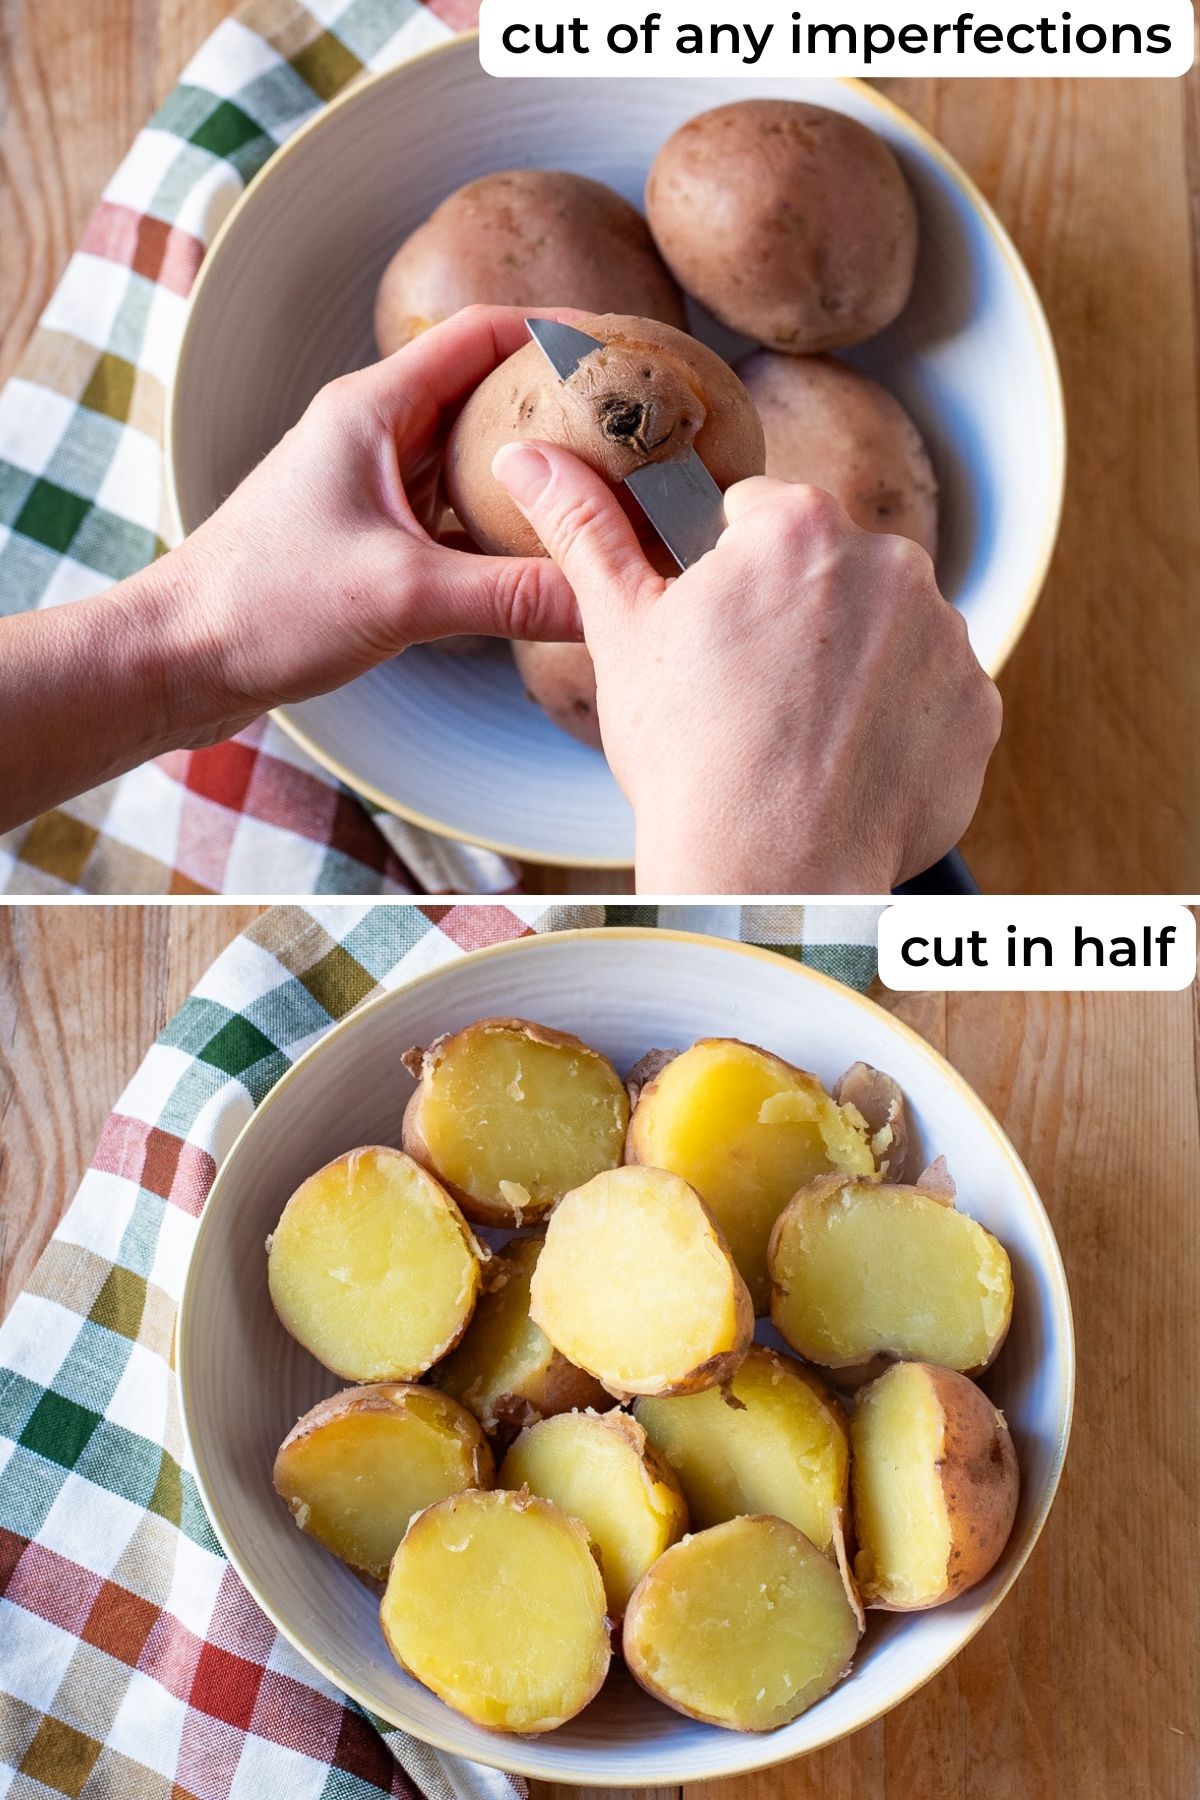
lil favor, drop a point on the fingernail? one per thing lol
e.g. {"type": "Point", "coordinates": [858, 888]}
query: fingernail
{"type": "Point", "coordinates": [521, 469]}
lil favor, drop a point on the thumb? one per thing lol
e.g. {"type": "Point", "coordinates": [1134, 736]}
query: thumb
{"type": "Point", "coordinates": [578, 518]}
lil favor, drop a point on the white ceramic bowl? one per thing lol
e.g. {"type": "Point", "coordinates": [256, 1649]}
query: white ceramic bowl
{"type": "Point", "coordinates": [243, 1381]}
{"type": "Point", "coordinates": [284, 303]}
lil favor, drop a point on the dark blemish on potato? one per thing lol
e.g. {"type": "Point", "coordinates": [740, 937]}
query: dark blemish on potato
{"type": "Point", "coordinates": [625, 421]}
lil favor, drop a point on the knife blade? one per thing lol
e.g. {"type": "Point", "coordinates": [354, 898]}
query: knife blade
{"type": "Point", "coordinates": [680, 499]}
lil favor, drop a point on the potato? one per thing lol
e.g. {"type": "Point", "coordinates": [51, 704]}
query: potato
{"type": "Point", "coordinates": [793, 224]}
{"type": "Point", "coordinates": [562, 680]}
{"type": "Point", "coordinates": [534, 238]}
{"type": "Point", "coordinates": [601, 1469]}
{"type": "Point", "coordinates": [746, 1129]}
{"type": "Point", "coordinates": [861, 1271]}
{"type": "Point", "coordinates": [357, 1467]}
{"type": "Point", "coordinates": [635, 1283]}
{"type": "Point", "coordinates": [935, 1486]}
{"type": "Point", "coordinates": [879, 1103]}
{"type": "Point", "coordinates": [832, 428]}
{"type": "Point", "coordinates": [772, 1440]}
{"type": "Point", "coordinates": [744, 1625]}
{"type": "Point", "coordinates": [509, 1115]}
{"type": "Point", "coordinates": [372, 1268]}
{"type": "Point", "coordinates": [495, 1601]}
{"type": "Point", "coordinates": [651, 395]}
{"type": "Point", "coordinates": [506, 1370]}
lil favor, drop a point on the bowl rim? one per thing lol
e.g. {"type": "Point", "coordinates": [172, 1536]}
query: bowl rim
{"type": "Point", "coordinates": [951, 169]}
{"type": "Point", "coordinates": [519, 1755]}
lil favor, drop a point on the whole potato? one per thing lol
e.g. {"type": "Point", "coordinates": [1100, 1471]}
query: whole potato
{"type": "Point", "coordinates": [524, 237]}
{"type": "Point", "coordinates": [792, 223]}
{"type": "Point", "coordinates": [835, 429]}
{"type": "Point", "coordinates": [650, 394]}
{"type": "Point", "coordinates": [562, 679]}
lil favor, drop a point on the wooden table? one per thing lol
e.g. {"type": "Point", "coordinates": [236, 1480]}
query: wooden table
{"type": "Point", "coordinates": [1096, 785]}
{"type": "Point", "coordinates": [1086, 1684]}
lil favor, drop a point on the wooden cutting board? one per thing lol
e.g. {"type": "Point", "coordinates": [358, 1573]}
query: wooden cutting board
{"type": "Point", "coordinates": [1086, 1684]}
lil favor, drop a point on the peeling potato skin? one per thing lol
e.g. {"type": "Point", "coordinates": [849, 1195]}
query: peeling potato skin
{"type": "Point", "coordinates": [524, 237]}
{"type": "Point", "coordinates": [791, 223]}
{"type": "Point", "coordinates": [561, 679]}
{"type": "Point", "coordinates": [879, 1100]}
{"type": "Point", "coordinates": [980, 1482]}
{"type": "Point", "coordinates": [650, 395]}
{"type": "Point", "coordinates": [421, 1063]}
{"type": "Point", "coordinates": [644, 1071]}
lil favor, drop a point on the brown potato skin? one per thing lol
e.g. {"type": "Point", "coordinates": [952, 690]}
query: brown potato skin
{"type": "Point", "coordinates": [880, 1101]}
{"type": "Point", "coordinates": [651, 395]}
{"type": "Point", "coordinates": [980, 1481]}
{"type": "Point", "coordinates": [833, 428]}
{"type": "Point", "coordinates": [561, 679]}
{"type": "Point", "coordinates": [419, 1063]}
{"type": "Point", "coordinates": [849, 1377]}
{"type": "Point", "coordinates": [530, 238]}
{"type": "Point", "coordinates": [791, 223]}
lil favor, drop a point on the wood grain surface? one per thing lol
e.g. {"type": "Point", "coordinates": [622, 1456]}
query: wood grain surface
{"type": "Point", "coordinates": [1096, 785]}
{"type": "Point", "coordinates": [1086, 1683]}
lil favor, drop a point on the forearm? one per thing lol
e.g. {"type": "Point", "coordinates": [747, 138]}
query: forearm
{"type": "Point", "coordinates": [89, 690]}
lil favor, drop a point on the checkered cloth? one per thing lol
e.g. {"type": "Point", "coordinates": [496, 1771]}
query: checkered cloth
{"type": "Point", "coordinates": [133, 1664]}
{"type": "Point", "coordinates": [82, 499]}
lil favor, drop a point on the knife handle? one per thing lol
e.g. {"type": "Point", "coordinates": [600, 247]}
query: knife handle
{"type": "Point", "coordinates": [948, 876]}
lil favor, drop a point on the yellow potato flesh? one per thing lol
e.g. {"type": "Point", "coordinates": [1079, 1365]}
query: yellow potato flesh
{"type": "Point", "coordinates": [355, 1481]}
{"type": "Point", "coordinates": [634, 1284]}
{"type": "Point", "coordinates": [866, 1270]}
{"type": "Point", "coordinates": [504, 1358]}
{"type": "Point", "coordinates": [501, 1107]}
{"type": "Point", "coordinates": [746, 1130]}
{"type": "Point", "coordinates": [372, 1268]}
{"type": "Point", "coordinates": [595, 1473]}
{"type": "Point", "coordinates": [496, 1603]}
{"type": "Point", "coordinates": [780, 1448]}
{"type": "Point", "coordinates": [900, 1515]}
{"type": "Point", "coordinates": [745, 1625]}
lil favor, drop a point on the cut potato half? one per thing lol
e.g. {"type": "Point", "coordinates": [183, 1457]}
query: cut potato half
{"type": "Point", "coordinates": [372, 1267]}
{"type": "Point", "coordinates": [746, 1130]}
{"type": "Point", "coordinates": [510, 1115]}
{"type": "Point", "coordinates": [862, 1271]}
{"type": "Point", "coordinates": [495, 1601]}
{"type": "Point", "coordinates": [506, 1370]}
{"type": "Point", "coordinates": [744, 1625]}
{"type": "Point", "coordinates": [601, 1469]}
{"type": "Point", "coordinates": [771, 1440]}
{"type": "Point", "coordinates": [635, 1283]}
{"type": "Point", "coordinates": [356, 1468]}
{"type": "Point", "coordinates": [935, 1486]}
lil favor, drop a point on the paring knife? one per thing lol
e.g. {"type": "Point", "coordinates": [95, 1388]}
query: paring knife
{"type": "Point", "coordinates": [687, 509]}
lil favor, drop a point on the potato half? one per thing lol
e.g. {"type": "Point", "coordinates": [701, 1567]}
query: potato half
{"type": "Point", "coordinates": [635, 1283]}
{"type": "Point", "coordinates": [792, 223]}
{"type": "Point", "coordinates": [746, 1129]}
{"type": "Point", "coordinates": [772, 1440]}
{"type": "Point", "coordinates": [744, 1625]}
{"type": "Point", "coordinates": [372, 1267]}
{"type": "Point", "coordinates": [355, 1468]}
{"type": "Point", "coordinates": [495, 1601]}
{"type": "Point", "coordinates": [525, 237]}
{"type": "Point", "coordinates": [509, 1115]}
{"type": "Point", "coordinates": [506, 1370]}
{"type": "Point", "coordinates": [861, 1271]}
{"type": "Point", "coordinates": [600, 1468]}
{"type": "Point", "coordinates": [833, 428]}
{"type": "Point", "coordinates": [651, 394]}
{"type": "Point", "coordinates": [935, 1486]}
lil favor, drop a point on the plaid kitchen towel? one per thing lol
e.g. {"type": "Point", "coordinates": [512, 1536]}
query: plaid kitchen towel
{"type": "Point", "coordinates": [82, 493]}
{"type": "Point", "coordinates": [133, 1664]}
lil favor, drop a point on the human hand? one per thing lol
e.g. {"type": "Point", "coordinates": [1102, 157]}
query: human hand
{"type": "Point", "coordinates": [799, 712]}
{"type": "Point", "coordinates": [322, 564]}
